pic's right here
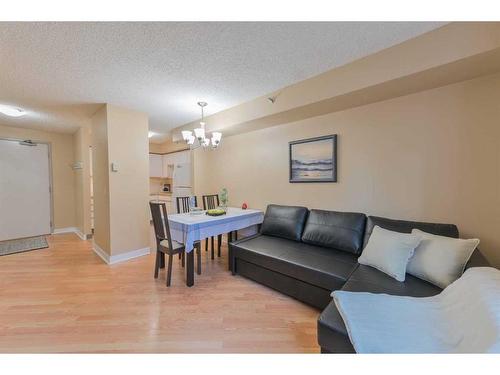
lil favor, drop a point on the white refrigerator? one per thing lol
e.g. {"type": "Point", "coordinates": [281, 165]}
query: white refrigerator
{"type": "Point", "coordinates": [181, 180]}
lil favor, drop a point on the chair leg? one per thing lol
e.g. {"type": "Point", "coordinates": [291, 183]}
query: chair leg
{"type": "Point", "coordinates": [206, 244]}
{"type": "Point", "coordinates": [157, 264]}
{"type": "Point", "coordinates": [183, 258]}
{"type": "Point", "coordinates": [162, 260]}
{"type": "Point", "coordinates": [212, 243]}
{"type": "Point", "coordinates": [219, 244]}
{"type": "Point", "coordinates": [180, 256]}
{"type": "Point", "coordinates": [169, 271]}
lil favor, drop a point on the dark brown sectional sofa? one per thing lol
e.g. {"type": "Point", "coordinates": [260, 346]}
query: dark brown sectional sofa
{"type": "Point", "coordinates": [307, 254]}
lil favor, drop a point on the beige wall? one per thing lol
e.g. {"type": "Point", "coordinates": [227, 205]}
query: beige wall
{"type": "Point", "coordinates": [81, 140]}
{"type": "Point", "coordinates": [121, 198]}
{"type": "Point", "coordinates": [100, 168]}
{"type": "Point", "coordinates": [62, 172]}
{"type": "Point", "coordinates": [129, 187]}
{"type": "Point", "coordinates": [432, 156]}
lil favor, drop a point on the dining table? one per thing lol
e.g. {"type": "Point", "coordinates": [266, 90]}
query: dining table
{"type": "Point", "coordinates": [191, 227]}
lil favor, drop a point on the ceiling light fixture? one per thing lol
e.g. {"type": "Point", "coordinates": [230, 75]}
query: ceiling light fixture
{"type": "Point", "coordinates": [200, 139]}
{"type": "Point", "coordinates": [11, 111]}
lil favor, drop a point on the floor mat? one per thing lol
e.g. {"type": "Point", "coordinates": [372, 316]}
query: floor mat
{"type": "Point", "coordinates": [23, 244]}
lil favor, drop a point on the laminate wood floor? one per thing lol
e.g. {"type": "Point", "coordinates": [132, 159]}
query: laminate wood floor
{"type": "Point", "coordinates": [65, 299]}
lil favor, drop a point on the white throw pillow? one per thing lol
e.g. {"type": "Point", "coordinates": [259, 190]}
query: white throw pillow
{"type": "Point", "coordinates": [389, 251]}
{"type": "Point", "coordinates": [440, 260]}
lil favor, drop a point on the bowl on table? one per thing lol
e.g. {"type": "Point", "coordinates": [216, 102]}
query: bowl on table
{"type": "Point", "coordinates": [196, 211]}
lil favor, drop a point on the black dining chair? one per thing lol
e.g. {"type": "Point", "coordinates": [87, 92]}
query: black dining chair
{"type": "Point", "coordinates": [164, 242]}
{"type": "Point", "coordinates": [183, 204]}
{"type": "Point", "coordinates": [209, 203]}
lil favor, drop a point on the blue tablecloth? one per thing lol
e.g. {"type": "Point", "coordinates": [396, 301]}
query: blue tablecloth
{"type": "Point", "coordinates": [188, 228]}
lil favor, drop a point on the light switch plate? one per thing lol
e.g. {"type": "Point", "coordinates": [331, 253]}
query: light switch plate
{"type": "Point", "coordinates": [114, 167]}
{"type": "Point", "coordinates": [77, 165]}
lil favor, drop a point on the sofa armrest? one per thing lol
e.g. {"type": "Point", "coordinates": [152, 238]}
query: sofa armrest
{"type": "Point", "coordinates": [230, 251]}
{"type": "Point", "coordinates": [244, 239]}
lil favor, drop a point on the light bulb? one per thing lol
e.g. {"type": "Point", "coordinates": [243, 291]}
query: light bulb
{"type": "Point", "coordinates": [216, 137]}
{"type": "Point", "coordinates": [191, 139]}
{"type": "Point", "coordinates": [199, 133]}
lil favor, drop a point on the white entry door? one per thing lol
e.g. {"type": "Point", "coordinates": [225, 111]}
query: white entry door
{"type": "Point", "coordinates": [25, 198]}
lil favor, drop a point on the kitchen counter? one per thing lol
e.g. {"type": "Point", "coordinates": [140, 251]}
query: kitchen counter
{"type": "Point", "coordinates": [161, 195]}
{"type": "Point", "coordinates": [165, 197]}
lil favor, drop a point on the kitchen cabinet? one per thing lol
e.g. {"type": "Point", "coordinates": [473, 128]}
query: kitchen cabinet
{"type": "Point", "coordinates": [162, 166]}
{"type": "Point", "coordinates": [155, 165]}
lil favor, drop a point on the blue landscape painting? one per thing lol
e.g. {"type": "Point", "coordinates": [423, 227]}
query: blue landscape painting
{"type": "Point", "coordinates": [312, 161]}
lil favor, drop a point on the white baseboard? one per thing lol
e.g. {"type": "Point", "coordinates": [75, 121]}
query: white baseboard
{"type": "Point", "coordinates": [113, 259]}
{"type": "Point", "coordinates": [64, 230]}
{"type": "Point", "coordinates": [81, 235]}
{"type": "Point", "coordinates": [70, 230]}
{"type": "Point", "coordinates": [102, 254]}
{"type": "Point", "coordinates": [129, 255]}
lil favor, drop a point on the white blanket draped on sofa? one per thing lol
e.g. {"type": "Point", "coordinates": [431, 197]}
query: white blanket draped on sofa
{"type": "Point", "coordinates": [463, 318]}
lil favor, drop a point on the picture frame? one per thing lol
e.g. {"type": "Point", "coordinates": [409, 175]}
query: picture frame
{"type": "Point", "coordinates": [313, 159]}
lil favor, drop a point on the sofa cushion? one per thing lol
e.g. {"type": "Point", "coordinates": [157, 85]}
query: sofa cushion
{"type": "Point", "coordinates": [319, 266]}
{"type": "Point", "coordinates": [389, 251]}
{"type": "Point", "coordinates": [448, 230]}
{"type": "Point", "coordinates": [337, 230]}
{"type": "Point", "coordinates": [284, 221]}
{"type": "Point", "coordinates": [440, 260]}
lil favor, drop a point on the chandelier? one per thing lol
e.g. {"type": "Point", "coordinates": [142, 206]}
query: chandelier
{"type": "Point", "coordinates": [200, 138]}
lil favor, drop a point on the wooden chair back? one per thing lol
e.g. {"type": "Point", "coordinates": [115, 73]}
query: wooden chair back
{"type": "Point", "coordinates": [183, 204]}
{"type": "Point", "coordinates": [210, 201]}
{"type": "Point", "coordinates": [160, 222]}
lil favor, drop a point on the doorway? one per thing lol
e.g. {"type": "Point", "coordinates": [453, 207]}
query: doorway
{"type": "Point", "coordinates": [25, 189]}
{"type": "Point", "coordinates": [91, 180]}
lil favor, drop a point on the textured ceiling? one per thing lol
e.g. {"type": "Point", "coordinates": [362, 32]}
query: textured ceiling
{"type": "Point", "coordinates": [60, 72]}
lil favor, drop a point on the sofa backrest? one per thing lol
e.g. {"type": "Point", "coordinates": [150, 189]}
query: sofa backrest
{"type": "Point", "coordinates": [338, 230]}
{"type": "Point", "coordinates": [284, 221]}
{"type": "Point", "coordinates": [448, 230]}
